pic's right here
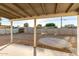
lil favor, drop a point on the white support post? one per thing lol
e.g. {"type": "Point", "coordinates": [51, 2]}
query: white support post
{"type": "Point", "coordinates": [78, 35]}
{"type": "Point", "coordinates": [61, 21]}
{"type": "Point", "coordinates": [34, 37]}
{"type": "Point", "coordinates": [0, 21]}
{"type": "Point", "coordinates": [11, 32]}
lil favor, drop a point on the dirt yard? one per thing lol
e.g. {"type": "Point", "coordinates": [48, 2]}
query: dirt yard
{"type": "Point", "coordinates": [27, 39]}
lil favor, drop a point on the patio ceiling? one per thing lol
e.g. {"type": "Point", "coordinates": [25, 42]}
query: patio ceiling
{"type": "Point", "coordinates": [37, 10]}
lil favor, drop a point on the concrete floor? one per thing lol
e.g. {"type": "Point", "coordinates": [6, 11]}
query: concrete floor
{"type": "Point", "coordinates": [23, 50]}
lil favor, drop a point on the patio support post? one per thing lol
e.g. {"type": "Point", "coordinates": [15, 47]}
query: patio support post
{"type": "Point", "coordinates": [0, 21]}
{"type": "Point", "coordinates": [78, 35]}
{"type": "Point", "coordinates": [61, 21]}
{"type": "Point", "coordinates": [34, 37]}
{"type": "Point", "coordinates": [11, 32]}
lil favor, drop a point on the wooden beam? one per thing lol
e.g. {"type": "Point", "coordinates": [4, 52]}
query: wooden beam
{"type": "Point", "coordinates": [48, 16]}
{"type": "Point", "coordinates": [2, 15]}
{"type": "Point", "coordinates": [43, 7]}
{"type": "Point", "coordinates": [77, 10]}
{"type": "Point", "coordinates": [56, 8]}
{"type": "Point", "coordinates": [6, 13]}
{"type": "Point", "coordinates": [17, 10]}
{"type": "Point", "coordinates": [22, 9]}
{"type": "Point", "coordinates": [33, 9]}
{"type": "Point", "coordinates": [11, 10]}
{"type": "Point", "coordinates": [70, 6]}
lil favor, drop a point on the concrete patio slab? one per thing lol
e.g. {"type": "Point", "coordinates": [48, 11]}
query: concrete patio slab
{"type": "Point", "coordinates": [24, 50]}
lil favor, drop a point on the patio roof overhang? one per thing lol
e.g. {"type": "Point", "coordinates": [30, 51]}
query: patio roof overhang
{"type": "Point", "coordinates": [15, 11]}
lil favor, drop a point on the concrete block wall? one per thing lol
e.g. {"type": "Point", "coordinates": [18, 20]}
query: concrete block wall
{"type": "Point", "coordinates": [7, 31]}
{"type": "Point", "coordinates": [57, 31]}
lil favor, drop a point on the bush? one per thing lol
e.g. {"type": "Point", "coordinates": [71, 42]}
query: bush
{"type": "Point", "coordinates": [26, 25]}
{"type": "Point", "coordinates": [39, 26]}
{"type": "Point", "coordinates": [50, 25]}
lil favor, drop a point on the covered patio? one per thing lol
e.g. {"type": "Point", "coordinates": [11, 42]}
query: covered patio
{"type": "Point", "coordinates": [34, 11]}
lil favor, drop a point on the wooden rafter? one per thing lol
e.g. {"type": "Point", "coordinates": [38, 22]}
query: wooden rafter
{"type": "Point", "coordinates": [69, 7]}
{"type": "Point", "coordinates": [12, 10]}
{"type": "Point", "coordinates": [3, 14]}
{"type": "Point", "coordinates": [33, 9]}
{"type": "Point", "coordinates": [9, 11]}
{"type": "Point", "coordinates": [22, 13]}
{"type": "Point", "coordinates": [19, 10]}
{"type": "Point", "coordinates": [56, 8]}
{"type": "Point", "coordinates": [6, 13]}
{"type": "Point", "coordinates": [77, 10]}
{"type": "Point", "coordinates": [22, 9]}
{"type": "Point", "coordinates": [15, 11]}
{"type": "Point", "coordinates": [43, 7]}
{"type": "Point", "coordinates": [10, 14]}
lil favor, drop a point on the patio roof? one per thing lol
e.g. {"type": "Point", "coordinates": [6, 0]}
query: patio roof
{"type": "Point", "coordinates": [37, 10]}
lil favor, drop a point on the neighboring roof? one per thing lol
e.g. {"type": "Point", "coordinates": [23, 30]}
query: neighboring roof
{"type": "Point", "coordinates": [37, 10]}
{"type": "Point", "coordinates": [4, 26]}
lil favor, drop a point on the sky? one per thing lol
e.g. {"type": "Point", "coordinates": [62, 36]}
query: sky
{"type": "Point", "coordinates": [56, 20]}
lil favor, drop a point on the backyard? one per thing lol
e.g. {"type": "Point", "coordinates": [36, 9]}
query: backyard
{"type": "Point", "coordinates": [27, 39]}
